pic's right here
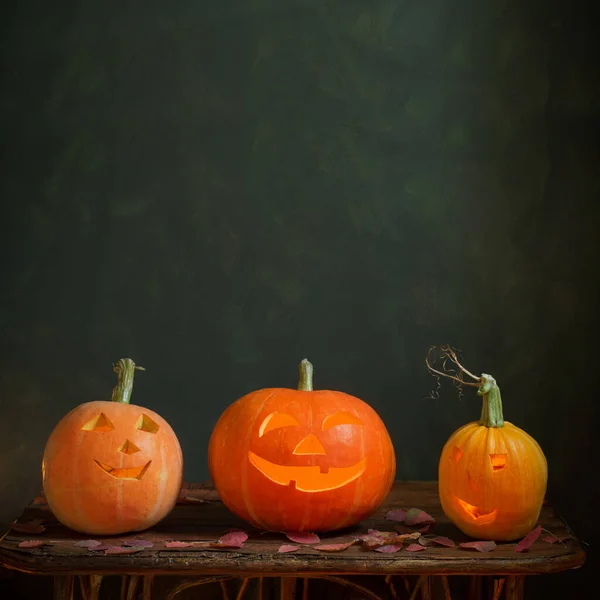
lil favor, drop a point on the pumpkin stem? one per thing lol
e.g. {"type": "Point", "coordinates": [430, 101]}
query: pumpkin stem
{"type": "Point", "coordinates": [305, 380]}
{"type": "Point", "coordinates": [491, 412]}
{"type": "Point", "coordinates": [125, 369]}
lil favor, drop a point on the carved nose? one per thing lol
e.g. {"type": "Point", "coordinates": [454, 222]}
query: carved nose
{"type": "Point", "coordinates": [310, 445]}
{"type": "Point", "coordinates": [128, 447]}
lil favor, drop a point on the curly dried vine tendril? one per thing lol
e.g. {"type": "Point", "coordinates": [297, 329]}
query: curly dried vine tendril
{"type": "Point", "coordinates": [449, 355]}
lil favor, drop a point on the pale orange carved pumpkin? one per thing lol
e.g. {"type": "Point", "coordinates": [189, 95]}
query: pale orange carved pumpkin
{"type": "Point", "coordinates": [301, 460]}
{"type": "Point", "coordinates": [492, 475]}
{"type": "Point", "coordinates": [110, 467]}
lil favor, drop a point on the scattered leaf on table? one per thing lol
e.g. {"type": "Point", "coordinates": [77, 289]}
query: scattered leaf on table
{"type": "Point", "coordinates": [415, 535]}
{"type": "Point", "coordinates": [28, 527]}
{"type": "Point", "coordinates": [31, 544]}
{"type": "Point", "coordinates": [415, 548]}
{"type": "Point", "coordinates": [139, 543]}
{"type": "Point", "coordinates": [389, 548]}
{"type": "Point", "coordinates": [415, 516]}
{"type": "Point", "coordinates": [233, 539]}
{"type": "Point", "coordinates": [88, 544]}
{"type": "Point", "coordinates": [288, 548]}
{"type": "Point", "coordinates": [396, 515]}
{"type": "Point", "coordinates": [424, 529]}
{"type": "Point", "coordinates": [177, 544]}
{"type": "Point", "coordinates": [423, 541]}
{"type": "Point", "coordinates": [529, 539]}
{"type": "Point", "coordinates": [374, 538]}
{"type": "Point", "coordinates": [120, 550]}
{"type": "Point", "coordinates": [100, 548]}
{"type": "Point", "coordinates": [303, 538]}
{"type": "Point", "coordinates": [553, 539]}
{"type": "Point", "coordinates": [40, 500]}
{"type": "Point", "coordinates": [443, 541]}
{"type": "Point", "coordinates": [334, 547]}
{"type": "Point", "coordinates": [190, 500]}
{"type": "Point", "coordinates": [479, 546]}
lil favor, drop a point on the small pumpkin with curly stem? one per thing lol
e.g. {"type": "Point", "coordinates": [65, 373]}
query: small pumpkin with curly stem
{"type": "Point", "coordinates": [492, 474]}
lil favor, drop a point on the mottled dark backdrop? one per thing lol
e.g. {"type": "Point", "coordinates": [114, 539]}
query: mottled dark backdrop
{"type": "Point", "coordinates": [218, 190]}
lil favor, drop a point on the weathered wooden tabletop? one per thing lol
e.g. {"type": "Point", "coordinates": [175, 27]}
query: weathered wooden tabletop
{"type": "Point", "coordinates": [201, 517]}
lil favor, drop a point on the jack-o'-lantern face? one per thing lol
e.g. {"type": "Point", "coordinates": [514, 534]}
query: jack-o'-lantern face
{"type": "Point", "coordinates": [308, 477]}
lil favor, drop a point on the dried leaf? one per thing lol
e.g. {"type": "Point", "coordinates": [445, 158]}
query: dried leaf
{"type": "Point", "coordinates": [389, 548]}
{"type": "Point", "coordinates": [177, 544]}
{"type": "Point", "coordinates": [425, 541]}
{"type": "Point", "coordinates": [31, 544]}
{"type": "Point", "coordinates": [28, 526]}
{"type": "Point", "coordinates": [553, 539]}
{"type": "Point", "coordinates": [529, 539]}
{"type": "Point", "coordinates": [415, 516]}
{"type": "Point", "coordinates": [396, 515]}
{"type": "Point", "coordinates": [233, 539]}
{"type": "Point", "coordinates": [415, 548]}
{"type": "Point", "coordinates": [140, 543]}
{"type": "Point", "coordinates": [303, 538]}
{"type": "Point", "coordinates": [88, 544]}
{"type": "Point", "coordinates": [374, 539]}
{"type": "Point", "coordinates": [120, 550]}
{"type": "Point", "coordinates": [334, 547]}
{"type": "Point", "coordinates": [288, 548]}
{"type": "Point", "coordinates": [423, 529]}
{"type": "Point", "coordinates": [479, 546]}
{"type": "Point", "coordinates": [415, 535]}
{"type": "Point", "coordinates": [443, 541]}
{"type": "Point", "coordinates": [100, 548]}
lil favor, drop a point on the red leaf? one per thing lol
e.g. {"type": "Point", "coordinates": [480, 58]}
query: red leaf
{"type": "Point", "coordinates": [334, 547]}
{"type": "Point", "coordinates": [139, 543]}
{"type": "Point", "coordinates": [423, 529]}
{"type": "Point", "coordinates": [529, 539]}
{"type": "Point", "coordinates": [287, 548]}
{"type": "Point", "coordinates": [444, 541]}
{"type": "Point", "coordinates": [396, 515]}
{"type": "Point", "coordinates": [28, 526]}
{"type": "Point", "coordinates": [31, 544]}
{"type": "Point", "coordinates": [415, 548]}
{"type": "Point", "coordinates": [553, 539]}
{"type": "Point", "coordinates": [479, 546]}
{"type": "Point", "coordinates": [88, 544]}
{"type": "Point", "coordinates": [233, 539]}
{"type": "Point", "coordinates": [119, 550]}
{"type": "Point", "coordinates": [177, 544]}
{"type": "Point", "coordinates": [414, 516]}
{"type": "Point", "coordinates": [303, 538]}
{"type": "Point", "coordinates": [389, 548]}
{"type": "Point", "coordinates": [100, 548]}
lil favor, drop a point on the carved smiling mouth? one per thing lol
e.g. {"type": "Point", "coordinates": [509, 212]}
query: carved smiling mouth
{"type": "Point", "coordinates": [308, 479]}
{"type": "Point", "coordinates": [130, 473]}
{"type": "Point", "coordinates": [483, 518]}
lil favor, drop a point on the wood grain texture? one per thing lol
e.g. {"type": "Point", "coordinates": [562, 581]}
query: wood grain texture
{"type": "Point", "coordinates": [201, 517]}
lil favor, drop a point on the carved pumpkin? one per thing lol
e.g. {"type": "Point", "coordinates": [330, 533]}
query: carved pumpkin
{"type": "Point", "coordinates": [301, 460]}
{"type": "Point", "coordinates": [110, 467]}
{"type": "Point", "coordinates": [492, 475]}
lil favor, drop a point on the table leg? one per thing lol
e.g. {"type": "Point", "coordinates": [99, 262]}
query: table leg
{"type": "Point", "coordinates": [515, 587]}
{"type": "Point", "coordinates": [63, 587]}
{"type": "Point", "coordinates": [288, 588]}
{"type": "Point", "coordinates": [147, 588]}
{"type": "Point", "coordinates": [90, 586]}
{"type": "Point", "coordinates": [475, 587]}
{"type": "Point", "coordinates": [427, 589]}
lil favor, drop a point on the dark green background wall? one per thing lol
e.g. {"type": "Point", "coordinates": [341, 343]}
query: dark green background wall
{"type": "Point", "coordinates": [218, 190]}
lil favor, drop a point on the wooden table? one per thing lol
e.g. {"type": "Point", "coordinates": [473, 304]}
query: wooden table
{"type": "Point", "coordinates": [200, 518]}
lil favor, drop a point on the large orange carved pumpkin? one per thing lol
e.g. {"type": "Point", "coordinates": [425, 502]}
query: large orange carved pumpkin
{"type": "Point", "coordinates": [301, 460]}
{"type": "Point", "coordinates": [110, 467]}
{"type": "Point", "coordinates": [492, 475]}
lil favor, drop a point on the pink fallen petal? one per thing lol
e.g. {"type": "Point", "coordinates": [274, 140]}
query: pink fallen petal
{"type": "Point", "coordinates": [31, 544]}
{"type": "Point", "coordinates": [88, 544]}
{"type": "Point", "coordinates": [415, 548]}
{"type": "Point", "coordinates": [479, 546]}
{"type": "Point", "coordinates": [177, 544]}
{"type": "Point", "coordinates": [120, 550]}
{"type": "Point", "coordinates": [303, 537]}
{"type": "Point", "coordinates": [140, 543]}
{"type": "Point", "coordinates": [443, 541]}
{"type": "Point", "coordinates": [334, 547]}
{"type": "Point", "coordinates": [529, 539]}
{"type": "Point", "coordinates": [415, 516]}
{"type": "Point", "coordinates": [287, 548]}
{"type": "Point", "coordinates": [396, 515]}
{"type": "Point", "coordinates": [389, 548]}
{"type": "Point", "coordinates": [233, 539]}
{"type": "Point", "coordinates": [554, 539]}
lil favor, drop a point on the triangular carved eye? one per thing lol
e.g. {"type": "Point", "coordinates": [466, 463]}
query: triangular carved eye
{"type": "Point", "coordinates": [145, 423]}
{"type": "Point", "coordinates": [99, 423]}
